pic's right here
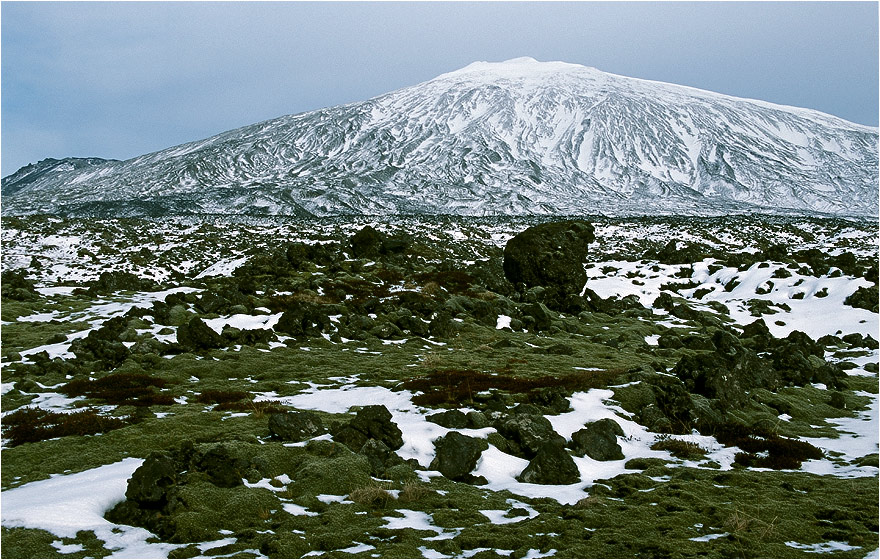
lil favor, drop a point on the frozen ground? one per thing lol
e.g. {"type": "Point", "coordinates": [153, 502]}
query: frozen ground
{"type": "Point", "coordinates": [67, 503]}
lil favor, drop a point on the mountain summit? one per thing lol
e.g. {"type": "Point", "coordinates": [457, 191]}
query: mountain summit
{"type": "Point", "coordinates": [514, 137]}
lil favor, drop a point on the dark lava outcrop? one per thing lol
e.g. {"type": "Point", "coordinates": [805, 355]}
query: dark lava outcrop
{"type": "Point", "coordinates": [550, 255]}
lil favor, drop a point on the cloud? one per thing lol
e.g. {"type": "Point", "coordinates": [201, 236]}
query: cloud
{"type": "Point", "coordinates": [147, 75]}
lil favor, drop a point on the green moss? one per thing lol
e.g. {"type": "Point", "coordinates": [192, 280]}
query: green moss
{"type": "Point", "coordinates": [20, 336]}
{"type": "Point", "coordinates": [210, 509]}
{"type": "Point", "coordinates": [19, 542]}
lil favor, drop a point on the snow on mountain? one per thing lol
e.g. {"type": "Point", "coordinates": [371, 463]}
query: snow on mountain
{"type": "Point", "coordinates": [516, 137]}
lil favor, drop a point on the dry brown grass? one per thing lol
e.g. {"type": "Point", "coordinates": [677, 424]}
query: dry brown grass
{"type": "Point", "coordinates": [310, 297]}
{"type": "Point", "coordinates": [432, 289]}
{"type": "Point", "coordinates": [679, 448]}
{"type": "Point", "coordinates": [373, 495]}
{"type": "Point", "coordinates": [432, 360]}
{"type": "Point", "coordinates": [413, 492]}
{"type": "Point", "coordinates": [739, 523]}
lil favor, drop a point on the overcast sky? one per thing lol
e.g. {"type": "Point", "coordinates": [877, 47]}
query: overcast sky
{"type": "Point", "coordinates": [120, 79]}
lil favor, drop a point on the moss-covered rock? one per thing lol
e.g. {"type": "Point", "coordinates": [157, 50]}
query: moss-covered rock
{"type": "Point", "coordinates": [457, 455]}
{"type": "Point", "coordinates": [550, 255]}
{"type": "Point", "coordinates": [551, 465]}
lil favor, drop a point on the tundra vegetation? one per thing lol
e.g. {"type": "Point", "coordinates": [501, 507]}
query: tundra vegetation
{"type": "Point", "coordinates": [444, 387]}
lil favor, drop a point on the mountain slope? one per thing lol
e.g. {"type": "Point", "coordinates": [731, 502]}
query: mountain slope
{"type": "Point", "coordinates": [518, 137]}
{"type": "Point", "coordinates": [46, 169]}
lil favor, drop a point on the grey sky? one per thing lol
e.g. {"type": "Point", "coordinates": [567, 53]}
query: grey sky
{"type": "Point", "coordinates": [120, 79]}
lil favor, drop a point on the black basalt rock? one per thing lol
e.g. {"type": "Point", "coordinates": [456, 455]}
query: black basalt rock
{"type": "Point", "coordinates": [550, 255]}
{"type": "Point", "coordinates": [197, 335]}
{"type": "Point", "coordinates": [551, 465]}
{"type": "Point", "coordinates": [598, 440]}
{"type": "Point", "coordinates": [373, 421]}
{"type": "Point", "coordinates": [457, 456]}
{"type": "Point", "coordinates": [295, 425]}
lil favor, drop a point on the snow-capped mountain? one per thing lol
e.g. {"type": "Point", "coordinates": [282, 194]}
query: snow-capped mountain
{"type": "Point", "coordinates": [516, 137]}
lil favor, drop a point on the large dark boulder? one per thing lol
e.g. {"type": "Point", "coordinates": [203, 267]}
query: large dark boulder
{"type": "Point", "coordinates": [457, 455]}
{"type": "Point", "coordinates": [303, 318]}
{"type": "Point", "coordinates": [380, 457]}
{"type": "Point", "coordinates": [758, 334]}
{"type": "Point", "coordinates": [552, 465]}
{"type": "Point", "coordinates": [197, 335]}
{"type": "Point", "coordinates": [865, 297]}
{"type": "Point", "coordinates": [103, 344]}
{"type": "Point", "coordinates": [150, 482]}
{"type": "Point", "coordinates": [529, 432]}
{"type": "Point", "coordinates": [366, 243]}
{"type": "Point", "coordinates": [550, 255]}
{"type": "Point", "coordinates": [537, 316]}
{"type": "Point", "coordinates": [14, 285]}
{"type": "Point", "coordinates": [453, 419]}
{"type": "Point", "coordinates": [679, 252]}
{"type": "Point", "coordinates": [373, 421]}
{"type": "Point", "coordinates": [442, 326]}
{"type": "Point", "coordinates": [800, 360]}
{"type": "Point", "coordinates": [299, 254]}
{"type": "Point", "coordinates": [369, 243]}
{"type": "Point", "coordinates": [117, 280]}
{"type": "Point", "coordinates": [295, 425]}
{"type": "Point", "coordinates": [221, 466]}
{"type": "Point", "coordinates": [598, 440]}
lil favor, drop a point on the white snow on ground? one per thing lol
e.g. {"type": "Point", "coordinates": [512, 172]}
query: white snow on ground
{"type": "Point", "coordinates": [858, 437]}
{"type": "Point", "coordinates": [100, 312]}
{"type": "Point", "coordinates": [822, 548]}
{"type": "Point", "coordinates": [222, 268]}
{"type": "Point", "coordinates": [356, 548]}
{"type": "Point", "coordinates": [243, 321]}
{"type": "Point", "coordinates": [57, 290]}
{"type": "Point", "coordinates": [412, 520]}
{"type": "Point", "coordinates": [65, 504]}
{"type": "Point", "coordinates": [707, 538]}
{"type": "Point", "coordinates": [499, 516]}
{"type": "Point", "coordinates": [814, 315]}
{"type": "Point", "coordinates": [501, 469]}
{"type": "Point", "coordinates": [58, 350]}
{"type": "Point", "coordinates": [56, 402]}
{"type": "Point", "coordinates": [418, 433]}
{"type": "Point", "coordinates": [296, 509]}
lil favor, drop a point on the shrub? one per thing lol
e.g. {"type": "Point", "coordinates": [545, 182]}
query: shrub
{"type": "Point", "coordinates": [373, 495]}
{"type": "Point", "coordinates": [455, 386]}
{"type": "Point", "coordinates": [212, 396]}
{"type": "Point", "coordinates": [679, 448]}
{"type": "Point", "coordinates": [763, 448]}
{"type": "Point", "coordinates": [413, 492]}
{"type": "Point", "coordinates": [28, 425]}
{"type": "Point", "coordinates": [134, 389]}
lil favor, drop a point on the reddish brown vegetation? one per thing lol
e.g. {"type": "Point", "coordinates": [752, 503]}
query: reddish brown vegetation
{"type": "Point", "coordinates": [28, 425]}
{"type": "Point", "coordinates": [765, 449]}
{"type": "Point", "coordinates": [455, 386]}
{"type": "Point", "coordinates": [135, 389]}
